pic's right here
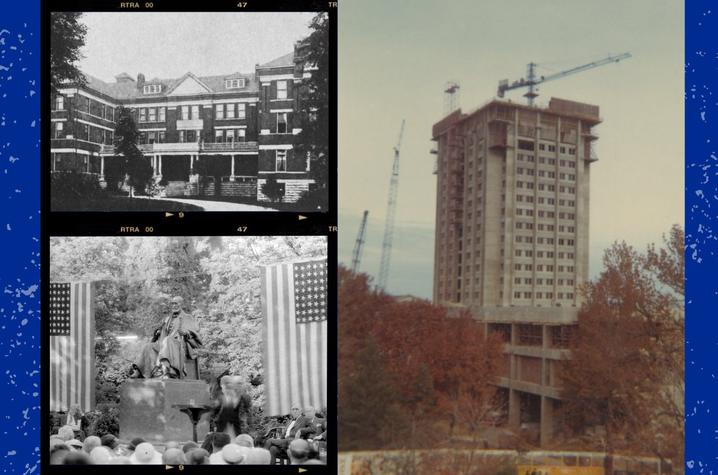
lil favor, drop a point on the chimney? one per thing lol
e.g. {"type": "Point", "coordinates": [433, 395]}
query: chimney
{"type": "Point", "coordinates": [124, 77]}
{"type": "Point", "coordinates": [140, 80]}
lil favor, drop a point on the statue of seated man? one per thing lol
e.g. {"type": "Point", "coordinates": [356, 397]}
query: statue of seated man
{"type": "Point", "coordinates": [172, 353]}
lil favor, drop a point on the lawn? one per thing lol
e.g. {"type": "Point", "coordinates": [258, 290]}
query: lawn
{"type": "Point", "coordinates": [120, 203]}
{"type": "Point", "coordinates": [249, 201]}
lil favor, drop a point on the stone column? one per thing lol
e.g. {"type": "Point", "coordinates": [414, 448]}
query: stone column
{"type": "Point", "coordinates": [546, 420]}
{"type": "Point", "coordinates": [514, 408]}
{"type": "Point", "coordinates": [231, 177]}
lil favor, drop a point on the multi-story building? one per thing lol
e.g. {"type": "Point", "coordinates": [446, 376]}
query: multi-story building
{"type": "Point", "coordinates": [511, 242]}
{"type": "Point", "coordinates": [236, 130]}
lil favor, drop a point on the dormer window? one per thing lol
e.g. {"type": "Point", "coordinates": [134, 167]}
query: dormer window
{"type": "Point", "coordinates": [234, 83]}
{"type": "Point", "coordinates": [152, 88]}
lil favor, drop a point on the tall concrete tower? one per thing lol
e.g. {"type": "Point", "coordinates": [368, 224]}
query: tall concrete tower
{"type": "Point", "coordinates": [512, 236]}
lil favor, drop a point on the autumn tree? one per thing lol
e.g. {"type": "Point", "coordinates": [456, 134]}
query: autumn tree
{"type": "Point", "coordinates": [626, 367]}
{"type": "Point", "coordinates": [67, 37]}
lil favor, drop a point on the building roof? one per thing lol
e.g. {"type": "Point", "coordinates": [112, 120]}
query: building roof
{"type": "Point", "coordinates": [126, 90]}
{"type": "Point", "coordinates": [286, 61]}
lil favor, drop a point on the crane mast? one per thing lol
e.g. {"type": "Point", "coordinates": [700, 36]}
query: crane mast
{"type": "Point", "coordinates": [390, 216]}
{"type": "Point", "coordinates": [532, 80]}
{"type": "Point", "coordinates": [359, 244]}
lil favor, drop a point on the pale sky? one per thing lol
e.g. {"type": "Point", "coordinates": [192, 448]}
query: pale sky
{"type": "Point", "coordinates": [168, 44]}
{"type": "Point", "coordinates": [395, 57]}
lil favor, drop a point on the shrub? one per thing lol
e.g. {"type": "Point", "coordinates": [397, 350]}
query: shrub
{"type": "Point", "coordinates": [105, 419]}
{"type": "Point", "coordinates": [71, 186]}
{"type": "Point", "coordinates": [314, 200]}
{"type": "Point", "coordinates": [273, 190]}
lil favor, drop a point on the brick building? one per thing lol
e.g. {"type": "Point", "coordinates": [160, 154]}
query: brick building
{"type": "Point", "coordinates": [235, 130]}
{"type": "Point", "coordinates": [511, 241]}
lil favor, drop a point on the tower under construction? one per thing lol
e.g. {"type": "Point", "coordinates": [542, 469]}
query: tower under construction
{"type": "Point", "coordinates": [513, 190]}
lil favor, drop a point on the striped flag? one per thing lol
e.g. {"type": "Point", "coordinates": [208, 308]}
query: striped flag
{"type": "Point", "coordinates": [72, 346]}
{"type": "Point", "coordinates": [295, 335]}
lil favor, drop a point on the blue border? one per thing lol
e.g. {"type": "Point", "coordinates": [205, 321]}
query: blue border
{"type": "Point", "coordinates": [701, 126]}
{"type": "Point", "coordinates": [19, 237]}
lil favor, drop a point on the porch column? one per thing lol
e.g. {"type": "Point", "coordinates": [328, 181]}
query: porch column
{"type": "Point", "coordinates": [102, 166]}
{"type": "Point", "coordinates": [159, 165]}
{"type": "Point", "coordinates": [231, 178]}
{"type": "Point", "coordinates": [191, 163]}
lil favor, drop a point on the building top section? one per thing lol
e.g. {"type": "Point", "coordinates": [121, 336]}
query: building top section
{"type": "Point", "coordinates": [127, 88]}
{"type": "Point", "coordinates": [446, 123]}
{"type": "Point", "coordinates": [560, 107]}
{"type": "Point", "coordinates": [286, 61]}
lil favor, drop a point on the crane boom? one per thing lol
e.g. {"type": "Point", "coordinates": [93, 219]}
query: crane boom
{"type": "Point", "coordinates": [359, 244]}
{"type": "Point", "coordinates": [390, 216]}
{"type": "Point", "coordinates": [532, 80]}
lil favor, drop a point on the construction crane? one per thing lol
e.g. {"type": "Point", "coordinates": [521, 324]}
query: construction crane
{"type": "Point", "coordinates": [359, 244]}
{"type": "Point", "coordinates": [531, 80]}
{"type": "Point", "coordinates": [390, 215]}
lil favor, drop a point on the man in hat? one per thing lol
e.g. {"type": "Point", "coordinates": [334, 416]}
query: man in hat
{"type": "Point", "coordinates": [176, 341]}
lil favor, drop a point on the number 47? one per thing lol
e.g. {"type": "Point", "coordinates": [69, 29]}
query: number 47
{"type": "Point", "coordinates": [242, 5]}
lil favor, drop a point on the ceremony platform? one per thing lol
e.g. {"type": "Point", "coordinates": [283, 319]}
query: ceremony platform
{"type": "Point", "coordinates": [148, 409]}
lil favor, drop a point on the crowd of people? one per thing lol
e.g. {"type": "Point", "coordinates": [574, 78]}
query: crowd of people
{"type": "Point", "coordinates": [300, 442]}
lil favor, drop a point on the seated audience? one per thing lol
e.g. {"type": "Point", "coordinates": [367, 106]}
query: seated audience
{"type": "Point", "coordinates": [245, 440]}
{"type": "Point", "coordinates": [219, 440]}
{"type": "Point", "coordinates": [298, 451]}
{"type": "Point", "coordinates": [173, 456]}
{"type": "Point", "coordinates": [197, 457]}
{"type": "Point", "coordinates": [145, 453]}
{"type": "Point", "coordinates": [90, 443]}
{"type": "Point", "coordinates": [233, 454]}
{"type": "Point", "coordinates": [58, 454]}
{"type": "Point", "coordinates": [278, 447]}
{"type": "Point", "coordinates": [78, 457]}
{"type": "Point", "coordinates": [101, 455]}
{"type": "Point", "coordinates": [258, 456]}
{"type": "Point", "coordinates": [189, 446]}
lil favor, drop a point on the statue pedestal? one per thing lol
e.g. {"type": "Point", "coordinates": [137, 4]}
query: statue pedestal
{"type": "Point", "coordinates": [146, 409]}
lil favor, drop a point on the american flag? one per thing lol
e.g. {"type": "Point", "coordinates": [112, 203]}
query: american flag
{"type": "Point", "coordinates": [72, 346]}
{"type": "Point", "coordinates": [295, 335]}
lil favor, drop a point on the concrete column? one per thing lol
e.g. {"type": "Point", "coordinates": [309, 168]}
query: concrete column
{"type": "Point", "coordinates": [102, 166]}
{"type": "Point", "coordinates": [154, 165]}
{"type": "Point", "coordinates": [231, 178]}
{"type": "Point", "coordinates": [546, 420]}
{"type": "Point", "coordinates": [514, 408]}
{"type": "Point", "coordinates": [191, 162]}
{"type": "Point", "coordinates": [159, 165]}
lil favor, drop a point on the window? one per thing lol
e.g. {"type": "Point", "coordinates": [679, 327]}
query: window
{"type": "Point", "coordinates": [281, 89]}
{"type": "Point", "coordinates": [143, 115]}
{"type": "Point", "coordinates": [218, 136]}
{"type": "Point", "coordinates": [531, 335]}
{"type": "Point", "coordinates": [551, 148]}
{"type": "Point", "coordinates": [234, 83]}
{"type": "Point", "coordinates": [240, 135]}
{"type": "Point", "coordinates": [162, 114]}
{"type": "Point", "coordinates": [219, 111]}
{"type": "Point", "coordinates": [229, 135]}
{"type": "Point", "coordinates": [195, 112]}
{"type": "Point", "coordinates": [59, 126]}
{"type": "Point", "coordinates": [183, 136]}
{"type": "Point", "coordinates": [241, 110]}
{"type": "Point", "coordinates": [152, 114]}
{"type": "Point", "coordinates": [161, 136]}
{"type": "Point", "coordinates": [281, 164]}
{"type": "Point", "coordinates": [282, 123]}
{"type": "Point", "coordinates": [185, 113]}
{"type": "Point", "coordinates": [60, 103]}
{"type": "Point", "coordinates": [230, 111]}
{"type": "Point", "coordinates": [152, 88]}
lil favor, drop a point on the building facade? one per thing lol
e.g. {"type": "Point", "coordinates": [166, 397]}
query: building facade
{"type": "Point", "coordinates": [512, 209]}
{"type": "Point", "coordinates": [211, 135]}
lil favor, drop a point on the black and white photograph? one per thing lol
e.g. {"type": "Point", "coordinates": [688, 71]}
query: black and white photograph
{"type": "Point", "coordinates": [189, 111]}
{"type": "Point", "coordinates": [188, 350]}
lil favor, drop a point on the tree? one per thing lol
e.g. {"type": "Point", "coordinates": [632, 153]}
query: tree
{"type": "Point", "coordinates": [67, 37]}
{"type": "Point", "coordinates": [313, 140]}
{"type": "Point", "coordinates": [131, 162]}
{"type": "Point", "coordinates": [627, 357]}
